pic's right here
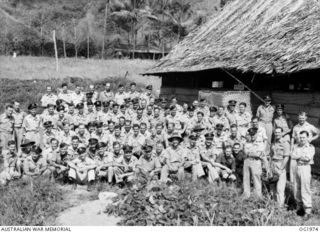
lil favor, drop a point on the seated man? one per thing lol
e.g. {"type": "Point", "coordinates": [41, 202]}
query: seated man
{"type": "Point", "coordinates": [82, 169]}
{"type": "Point", "coordinates": [192, 159]}
{"type": "Point", "coordinates": [148, 166]}
{"type": "Point", "coordinates": [209, 159]}
{"type": "Point", "coordinates": [35, 165]}
{"type": "Point", "coordinates": [174, 159]}
{"type": "Point", "coordinates": [12, 164]}
{"type": "Point", "coordinates": [114, 163]}
{"type": "Point", "coordinates": [127, 172]}
{"type": "Point", "coordinates": [101, 158]}
{"type": "Point", "coordinates": [57, 160]}
{"type": "Point", "coordinates": [228, 161]}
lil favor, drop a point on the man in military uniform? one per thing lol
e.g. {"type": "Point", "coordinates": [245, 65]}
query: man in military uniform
{"type": "Point", "coordinates": [252, 168]}
{"type": "Point", "coordinates": [243, 119]}
{"type": "Point", "coordinates": [120, 95]}
{"type": "Point", "coordinates": [133, 93]}
{"type": "Point", "coordinates": [82, 169]}
{"type": "Point", "coordinates": [65, 94]}
{"type": "Point", "coordinates": [31, 125]}
{"type": "Point", "coordinates": [83, 134]}
{"type": "Point", "coordinates": [231, 112]}
{"type": "Point", "coordinates": [48, 98]}
{"type": "Point", "coordinates": [279, 155]}
{"type": "Point", "coordinates": [265, 115]}
{"type": "Point", "coordinates": [77, 97]}
{"type": "Point", "coordinates": [303, 154]}
{"type": "Point", "coordinates": [11, 164]}
{"type": "Point", "coordinates": [35, 165]}
{"type": "Point", "coordinates": [147, 165]}
{"type": "Point", "coordinates": [220, 118]}
{"type": "Point", "coordinates": [18, 116]}
{"type": "Point", "coordinates": [114, 163]}
{"type": "Point", "coordinates": [136, 140]}
{"type": "Point", "coordinates": [48, 134]}
{"type": "Point", "coordinates": [192, 159]}
{"type": "Point", "coordinates": [173, 159]}
{"type": "Point", "coordinates": [6, 127]}
{"type": "Point", "coordinates": [107, 94]}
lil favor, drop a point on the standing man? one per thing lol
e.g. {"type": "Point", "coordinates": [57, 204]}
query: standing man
{"type": "Point", "coordinates": [252, 168]}
{"type": "Point", "coordinates": [18, 116]}
{"type": "Point", "coordinates": [303, 154]}
{"type": "Point", "coordinates": [265, 115]}
{"type": "Point", "coordinates": [280, 151]}
{"type": "Point", "coordinates": [107, 94]}
{"type": "Point", "coordinates": [313, 134]}
{"type": "Point", "coordinates": [243, 119]}
{"type": "Point", "coordinates": [31, 125]}
{"type": "Point", "coordinates": [65, 94]}
{"type": "Point", "coordinates": [48, 98]}
{"type": "Point", "coordinates": [120, 95]}
{"type": "Point", "coordinates": [231, 112]}
{"type": "Point", "coordinates": [77, 96]}
{"type": "Point", "coordinates": [6, 127]}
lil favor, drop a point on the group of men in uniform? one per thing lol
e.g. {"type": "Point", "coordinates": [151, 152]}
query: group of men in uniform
{"type": "Point", "coordinates": [119, 136]}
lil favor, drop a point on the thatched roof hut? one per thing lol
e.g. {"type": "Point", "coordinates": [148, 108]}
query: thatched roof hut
{"type": "Point", "coordinates": [260, 36]}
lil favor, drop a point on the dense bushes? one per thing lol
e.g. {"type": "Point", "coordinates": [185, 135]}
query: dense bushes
{"type": "Point", "coordinates": [195, 204]}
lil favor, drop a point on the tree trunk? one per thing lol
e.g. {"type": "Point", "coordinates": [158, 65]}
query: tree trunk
{"type": "Point", "coordinates": [55, 50]}
{"type": "Point", "coordinates": [41, 32]}
{"type": "Point", "coordinates": [88, 42]}
{"type": "Point", "coordinates": [64, 41]}
{"type": "Point", "coordinates": [5, 35]}
{"type": "Point", "coordinates": [104, 29]}
{"type": "Point", "coordinates": [75, 38]}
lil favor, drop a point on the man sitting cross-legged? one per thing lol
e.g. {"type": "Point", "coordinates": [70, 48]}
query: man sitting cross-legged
{"type": "Point", "coordinates": [82, 169]}
{"type": "Point", "coordinates": [148, 165]}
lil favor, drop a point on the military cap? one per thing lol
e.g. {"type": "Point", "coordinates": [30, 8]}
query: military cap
{"type": "Point", "coordinates": [101, 145]}
{"type": "Point", "coordinates": [117, 127]}
{"type": "Point", "coordinates": [47, 124]}
{"type": "Point", "coordinates": [175, 135]}
{"type": "Point", "coordinates": [80, 106]}
{"type": "Point", "coordinates": [135, 101]}
{"type": "Point", "coordinates": [27, 143]}
{"type": "Point", "coordinates": [198, 128]}
{"type": "Point", "coordinates": [149, 87]}
{"type": "Point", "coordinates": [252, 131]}
{"type": "Point", "coordinates": [280, 106]}
{"type": "Point", "coordinates": [163, 100]}
{"type": "Point", "coordinates": [98, 104]}
{"type": "Point", "coordinates": [91, 124]}
{"type": "Point", "coordinates": [89, 103]}
{"type": "Point", "coordinates": [133, 84]}
{"type": "Point", "coordinates": [232, 102]}
{"type": "Point", "coordinates": [191, 108]}
{"type": "Point", "coordinates": [209, 136]}
{"type": "Point", "coordinates": [219, 127]}
{"type": "Point", "coordinates": [36, 149]}
{"type": "Point", "coordinates": [32, 106]}
{"type": "Point", "coordinates": [147, 148]}
{"type": "Point", "coordinates": [106, 104]}
{"type": "Point", "coordinates": [111, 122]}
{"type": "Point", "coordinates": [213, 109]}
{"type": "Point", "coordinates": [122, 106]}
{"type": "Point", "coordinates": [157, 100]}
{"type": "Point", "coordinates": [127, 149]}
{"type": "Point", "coordinates": [193, 137]}
{"type": "Point", "coordinates": [202, 100]}
{"type": "Point", "coordinates": [81, 150]}
{"type": "Point", "coordinates": [89, 95]}
{"type": "Point", "coordinates": [60, 108]}
{"type": "Point", "coordinates": [50, 105]}
{"type": "Point", "coordinates": [71, 104]}
{"type": "Point", "coordinates": [99, 124]}
{"type": "Point", "coordinates": [59, 102]}
{"type": "Point", "coordinates": [127, 100]}
{"type": "Point", "coordinates": [267, 98]}
{"type": "Point", "coordinates": [172, 108]}
{"type": "Point", "coordinates": [93, 141]}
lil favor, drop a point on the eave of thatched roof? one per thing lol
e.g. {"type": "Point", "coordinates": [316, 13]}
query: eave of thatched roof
{"type": "Point", "coordinates": [261, 36]}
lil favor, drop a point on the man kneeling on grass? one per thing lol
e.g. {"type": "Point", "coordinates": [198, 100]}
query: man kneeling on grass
{"type": "Point", "coordinates": [11, 165]}
{"type": "Point", "coordinates": [82, 169]}
{"type": "Point", "coordinates": [226, 159]}
{"type": "Point", "coordinates": [127, 172]}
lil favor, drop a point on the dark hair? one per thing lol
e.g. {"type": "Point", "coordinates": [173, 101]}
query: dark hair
{"type": "Point", "coordinates": [236, 144]}
{"type": "Point", "coordinates": [9, 106]}
{"type": "Point", "coordinates": [304, 132]}
{"type": "Point", "coordinates": [243, 103]}
{"type": "Point", "coordinates": [135, 126]}
{"type": "Point", "coordinates": [63, 145]}
{"type": "Point", "coordinates": [64, 85]}
{"type": "Point", "coordinates": [11, 142]}
{"type": "Point", "coordinates": [279, 128]}
{"type": "Point", "coordinates": [233, 126]}
{"type": "Point", "coordinates": [74, 138]}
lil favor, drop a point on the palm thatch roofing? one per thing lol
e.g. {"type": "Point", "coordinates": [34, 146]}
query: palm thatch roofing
{"type": "Point", "coordinates": [261, 36]}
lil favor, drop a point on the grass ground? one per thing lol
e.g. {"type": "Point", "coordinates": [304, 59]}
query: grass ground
{"type": "Point", "coordinates": [31, 68]}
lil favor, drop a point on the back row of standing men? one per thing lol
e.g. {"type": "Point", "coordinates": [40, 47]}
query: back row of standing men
{"type": "Point", "coordinates": [140, 124]}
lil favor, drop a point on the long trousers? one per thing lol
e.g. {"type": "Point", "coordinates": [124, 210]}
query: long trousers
{"type": "Point", "coordinates": [252, 169]}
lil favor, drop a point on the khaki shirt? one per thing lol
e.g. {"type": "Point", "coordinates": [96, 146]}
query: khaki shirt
{"type": "Point", "coordinates": [31, 123]}
{"type": "Point", "coordinates": [254, 149]}
{"type": "Point", "coordinates": [29, 165]}
{"type": "Point", "coordinates": [48, 99]}
{"type": "Point", "coordinates": [243, 119]}
{"type": "Point", "coordinates": [119, 98]}
{"type": "Point", "coordinates": [192, 154]}
{"type": "Point", "coordinates": [6, 123]}
{"type": "Point", "coordinates": [307, 151]}
{"type": "Point", "coordinates": [106, 96]}
{"type": "Point", "coordinates": [174, 155]}
{"type": "Point", "coordinates": [280, 150]}
{"type": "Point", "coordinates": [311, 129]}
{"type": "Point", "coordinates": [136, 142]}
{"type": "Point", "coordinates": [209, 153]}
{"type": "Point", "coordinates": [221, 120]}
{"type": "Point", "coordinates": [67, 97]}
{"type": "Point", "coordinates": [149, 165]}
{"type": "Point", "coordinates": [18, 118]}
{"type": "Point", "coordinates": [265, 114]}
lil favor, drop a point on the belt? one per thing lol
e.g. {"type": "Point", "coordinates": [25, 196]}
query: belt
{"type": "Point", "coordinates": [303, 164]}
{"type": "Point", "coordinates": [266, 121]}
{"type": "Point", "coordinates": [277, 160]}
